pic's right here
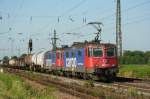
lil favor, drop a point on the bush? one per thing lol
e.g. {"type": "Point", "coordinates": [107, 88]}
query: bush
{"type": "Point", "coordinates": [149, 61]}
{"type": "Point", "coordinates": [135, 57]}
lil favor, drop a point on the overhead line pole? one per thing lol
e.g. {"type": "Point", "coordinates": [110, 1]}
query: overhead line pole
{"type": "Point", "coordinates": [54, 40]}
{"type": "Point", "coordinates": [118, 29]}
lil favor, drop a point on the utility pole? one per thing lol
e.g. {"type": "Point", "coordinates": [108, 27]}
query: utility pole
{"type": "Point", "coordinates": [30, 46]}
{"type": "Point", "coordinates": [12, 45]}
{"type": "Point", "coordinates": [54, 40]}
{"type": "Point", "coordinates": [118, 29]}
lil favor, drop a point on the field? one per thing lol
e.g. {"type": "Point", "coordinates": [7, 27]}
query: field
{"type": "Point", "coordinates": [13, 87]}
{"type": "Point", "coordinates": [137, 71]}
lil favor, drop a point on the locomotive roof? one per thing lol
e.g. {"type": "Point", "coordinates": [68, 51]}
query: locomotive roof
{"type": "Point", "coordinates": [79, 44]}
{"type": "Point", "coordinates": [86, 44]}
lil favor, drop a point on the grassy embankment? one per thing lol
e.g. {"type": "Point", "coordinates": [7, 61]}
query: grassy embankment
{"type": "Point", "coordinates": [13, 87]}
{"type": "Point", "coordinates": [137, 71]}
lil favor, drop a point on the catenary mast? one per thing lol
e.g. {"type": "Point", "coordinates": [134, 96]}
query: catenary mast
{"type": "Point", "coordinates": [54, 39]}
{"type": "Point", "coordinates": [118, 29]}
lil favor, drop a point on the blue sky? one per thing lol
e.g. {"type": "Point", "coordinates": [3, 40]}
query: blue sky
{"type": "Point", "coordinates": [37, 19]}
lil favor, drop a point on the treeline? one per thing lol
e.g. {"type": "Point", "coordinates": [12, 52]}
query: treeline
{"type": "Point", "coordinates": [135, 57]}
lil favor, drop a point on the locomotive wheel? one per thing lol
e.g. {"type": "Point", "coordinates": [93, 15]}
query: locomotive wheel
{"type": "Point", "coordinates": [91, 76]}
{"type": "Point", "coordinates": [107, 78]}
{"type": "Point", "coordinates": [78, 75]}
{"type": "Point", "coordinates": [42, 70]}
{"type": "Point", "coordinates": [66, 74]}
{"type": "Point", "coordinates": [85, 76]}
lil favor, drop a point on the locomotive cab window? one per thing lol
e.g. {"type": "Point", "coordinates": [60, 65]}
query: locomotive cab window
{"type": "Point", "coordinates": [67, 54]}
{"type": "Point", "coordinates": [61, 55]}
{"type": "Point", "coordinates": [79, 53]}
{"type": "Point", "coordinates": [97, 52]}
{"type": "Point", "coordinates": [54, 56]}
{"type": "Point", "coordinates": [111, 52]}
{"type": "Point", "coordinates": [89, 52]}
{"type": "Point", "coordinates": [73, 54]}
{"type": "Point", "coordinates": [49, 56]}
{"type": "Point", "coordinates": [58, 55]}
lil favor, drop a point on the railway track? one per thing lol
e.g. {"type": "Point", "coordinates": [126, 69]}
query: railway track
{"type": "Point", "coordinates": [73, 86]}
{"type": "Point", "coordinates": [139, 86]}
{"type": "Point", "coordinates": [126, 87]}
{"type": "Point", "coordinates": [45, 80]}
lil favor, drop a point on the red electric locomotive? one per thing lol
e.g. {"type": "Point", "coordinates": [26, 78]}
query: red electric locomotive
{"type": "Point", "coordinates": [95, 59]}
{"type": "Point", "coordinates": [101, 59]}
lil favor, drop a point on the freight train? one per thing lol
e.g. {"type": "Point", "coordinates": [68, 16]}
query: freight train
{"type": "Point", "coordinates": [85, 60]}
{"type": "Point", "coordinates": [82, 59]}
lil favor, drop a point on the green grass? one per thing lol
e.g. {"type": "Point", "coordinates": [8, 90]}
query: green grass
{"type": "Point", "coordinates": [13, 87]}
{"type": "Point", "coordinates": [137, 71]}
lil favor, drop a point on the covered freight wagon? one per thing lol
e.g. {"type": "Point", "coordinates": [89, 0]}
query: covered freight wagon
{"type": "Point", "coordinates": [42, 60]}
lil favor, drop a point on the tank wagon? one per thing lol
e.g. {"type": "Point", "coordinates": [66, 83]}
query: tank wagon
{"type": "Point", "coordinates": [40, 61]}
{"type": "Point", "coordinates": [12, 62]}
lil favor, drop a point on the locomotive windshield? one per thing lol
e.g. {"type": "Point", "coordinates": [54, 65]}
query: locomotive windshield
{"type": "Point", "coordinates": [111, 52]}
{"type": "Point", "coordinates": [97, 52]}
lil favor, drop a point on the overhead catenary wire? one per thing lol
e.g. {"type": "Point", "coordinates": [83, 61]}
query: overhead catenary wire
{"type": "Point", "coordinates": [130, 22]}
{"type": "Point", "coordinates": [5, 32]}
{"type": "Point", "coordinates": [70, 10]}
{"type": "Point", "coordinates": [73, 8]}
{"type": "Point", "coordinates": [111, 15]}
{"type": "Point", "coordinates": [15, 16]}
{"type": "Point", "coordinates": [58, 18]}
{"type": "Point", "coordinates": [11, 25]}
{"type": "Point", "coordinates": [79, 4]}
{"type": "Point", "coordinates": [136, 21]}
{"type": "Point", "coordinates": [127, 9]}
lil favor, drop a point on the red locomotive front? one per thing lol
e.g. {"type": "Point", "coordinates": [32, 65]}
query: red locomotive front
{"type": "Point", "coordinates": [105, 57]}
{"type": "Point", "coordinates": [101, 59]}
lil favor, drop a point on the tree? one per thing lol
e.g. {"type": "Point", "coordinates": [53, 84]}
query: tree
{"type": "Point", "coordinates": [135, 57]}
{"type": "Point", "coordinates": [23, 55]}
{"type": "Point", "coordinates": [14, 57]}
{"type": "Point", "coordinates": [5, 60]}
{"type": "Point", "coordinates": [148, 62]}
{"type": "Point", "coordinates": [147, 57]}
{"type": "Point", "coordinates": [127, 53]}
